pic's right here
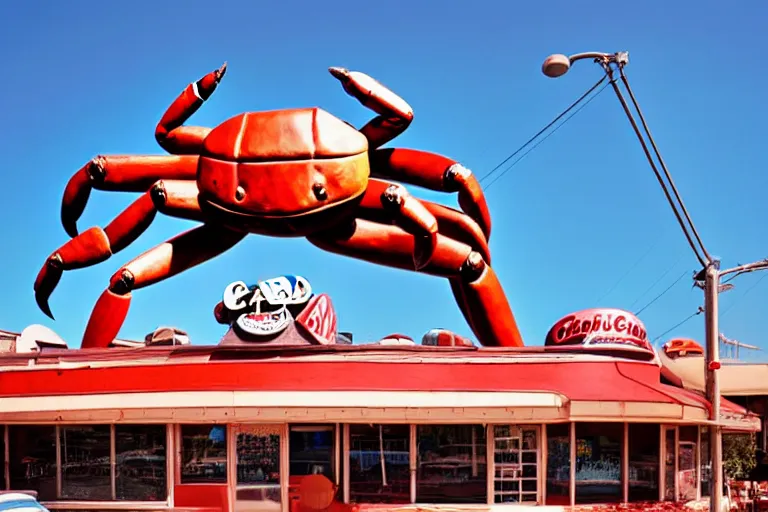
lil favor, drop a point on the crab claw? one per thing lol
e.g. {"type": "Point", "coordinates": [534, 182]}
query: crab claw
{"type": "Point", "coordinates": [76, 195]}
{"type": "Point", "coordinates": [208, 84]}
{"type": "Point", "coordinates": [339, 73]}
{"type": "Point", "coordinates": [88, 248]}
{"type": "Point", "coordinates": [220, 72]}
{"type": "Point", "coordinates": [47, 279]}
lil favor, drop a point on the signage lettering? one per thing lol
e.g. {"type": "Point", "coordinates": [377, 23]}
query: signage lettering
{"type": "Point", "coordinates": [599, 326]}
{"type": "Point", "coordinates": [263, 309]}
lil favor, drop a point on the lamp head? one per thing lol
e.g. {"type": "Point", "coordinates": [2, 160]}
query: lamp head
{"type": "Point", "coordinates": [556, 65]}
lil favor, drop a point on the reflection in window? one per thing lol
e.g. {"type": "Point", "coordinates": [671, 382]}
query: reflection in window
{"type": "Point", "coordinates": [203, 454]}
{"type": "Point", "coordinates": [379, 463]}
{"type": "Point", "coordinates": [312, 450]}
{"type": "Point", "coordinates": [558, 464]}
{"type": "Point", "coordinates": [258, 464]}
{"type": "Point", "coordinates": [644, 461]}
{"type": "Point", "coordinates": [516, 464]}
{"type": "Point", "coordinates": [451, 464]}
{"type": "Point", "coordinates": [598, 462]}
{"type": "Point", "coordinates": [140, 462]}
{"type": "Point", "coordinates": [706, 467]}
{"type": "Point", "coordinates": [85, 463]}
{"type": "Point", "coordinates": [32, 459]}
{"type": "Point", "coordinates": [686, 464]}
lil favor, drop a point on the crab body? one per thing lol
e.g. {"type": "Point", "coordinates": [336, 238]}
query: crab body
{"type": "Point", "coordinates": [295, 172]}
{"type": "Point", "coordinates": [281, 165]}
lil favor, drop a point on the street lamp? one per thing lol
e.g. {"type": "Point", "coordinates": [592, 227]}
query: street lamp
{"type": "Point", "coordinates": [708, 278]}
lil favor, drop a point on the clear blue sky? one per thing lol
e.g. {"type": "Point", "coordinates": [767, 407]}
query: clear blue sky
{"type": "Point", "coordinates": [83, 78]}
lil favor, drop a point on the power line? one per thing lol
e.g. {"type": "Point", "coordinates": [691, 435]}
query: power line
{"type": "Point", "coordinates": [663, 293]}
{"type": "Point", "coordinates": [540, 132]}
{"type": "Point", "coordinates": [703, 260]}
{"type": "Point", "coordinates": [700, 311]}
{"type": "Point", "coordinates": [629, 270]}
{"type": "Point", "coordinates": [657, 281]}
{"type": "Point", "coordinates": [742, 295]}
{"type": "Point", "coordinates": [579, 100]}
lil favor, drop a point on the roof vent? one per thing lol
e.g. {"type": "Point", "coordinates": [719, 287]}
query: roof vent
{"type": "Point", "coordinates": [167, 336]}
{"type": "Point", "coordinates": [35, 338]}
{"type": "Point", "coordinates": [396, 339]}
{"type": "Point", "coordinates": [445, 338]}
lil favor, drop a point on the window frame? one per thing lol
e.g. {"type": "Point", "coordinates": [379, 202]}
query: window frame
{"type": "Point", "coordinates": [113, 503]}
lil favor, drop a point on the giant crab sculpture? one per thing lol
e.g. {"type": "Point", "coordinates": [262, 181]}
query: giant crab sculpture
{"type": "Point", "coordinates": [290, 173]}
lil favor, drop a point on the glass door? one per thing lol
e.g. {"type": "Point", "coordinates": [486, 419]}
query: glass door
{"type": "Point", "coordinates": [516, 464]}
{"type": "Point", "coordinates": [257, 459]}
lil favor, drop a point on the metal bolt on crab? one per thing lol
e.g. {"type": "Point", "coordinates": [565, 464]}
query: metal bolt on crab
{"type": "Point", "coordinates": [288, 173]}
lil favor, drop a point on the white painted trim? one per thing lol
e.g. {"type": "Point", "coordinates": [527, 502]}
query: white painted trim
{"type": "Point", "coordinates": [170, 463]}
{"type": "Point", "coordinates": [345, 461]}
{"type": "Point", "coordinates": [625, 463]}
{"type": "Point", "coordinates": [413, 459]}
{"type": "Point", "coordinates": [543, 461]}
{"type": "Point", "coordinates": [281, 399]}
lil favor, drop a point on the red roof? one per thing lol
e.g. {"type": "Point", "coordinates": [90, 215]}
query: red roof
{"type": "Point", "coordinates": [576, 376]}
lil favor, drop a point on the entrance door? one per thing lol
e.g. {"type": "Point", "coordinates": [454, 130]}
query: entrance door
{"type": "Point", "coordinates": [257, 459]}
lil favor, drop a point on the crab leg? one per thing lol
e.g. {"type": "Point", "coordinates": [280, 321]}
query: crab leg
{"type": "Point", "coordinates": [478, 291]}
{"type": "Point", "coordinates": [172, 197]}
{"type": "Point", "coordinates": [125, 173]}
{"type": "Point", "coordinates": [183, 140]}
{"type": "Point", "coordinates": [434, 172]}
{"type": "Point", "coordinates": [395, 115]}
{"type": "Point", "coordinates": [163, 261]}
{"type": "Point", "coordinates": [409, 213]}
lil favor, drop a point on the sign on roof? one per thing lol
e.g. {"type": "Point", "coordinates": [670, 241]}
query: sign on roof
{"type": "Point", "coordinates": [604, 327]}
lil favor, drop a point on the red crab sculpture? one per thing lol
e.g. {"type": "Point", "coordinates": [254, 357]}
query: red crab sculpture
{"type": "Point", "coordinates": [290, 173]}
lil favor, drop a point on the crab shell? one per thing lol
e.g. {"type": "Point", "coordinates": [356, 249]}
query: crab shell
{"type": "Point", "coordinates": [283, 164]}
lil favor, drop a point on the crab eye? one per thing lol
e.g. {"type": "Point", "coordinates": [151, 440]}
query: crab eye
{"type": "Point", "coordinates": [320, 192]}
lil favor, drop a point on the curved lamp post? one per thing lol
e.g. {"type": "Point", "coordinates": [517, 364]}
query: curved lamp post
{"type": "Point", "coordinates": [708, 278]}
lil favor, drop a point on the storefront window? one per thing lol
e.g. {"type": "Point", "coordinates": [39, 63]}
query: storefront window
{"type": "Point", "coordinates": [451, 464]}
{"type": "Point", "coordinates": [644, 461]}
{"type": "Point", "coordinates": [558, 464]}
{"type": "Point", "coordinates": [258, 467]}
{"type": "Point", "coordinates": [32, 460]}
{"type": "Point", "coordinates": [85, 463]}
{"type": "Point", "coordinates": [379, 458]}
{"type": "Point", "coordinates": [140, 471]}
{"type": "Point", "coordinates": [598, 462]}
{"type": "Point", "coordinates": [312, 450]}
{"type": "Point", "coordinates": [203, 454]}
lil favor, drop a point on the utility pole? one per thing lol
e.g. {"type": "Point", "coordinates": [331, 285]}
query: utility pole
{"type": "Point", "coordinates": [708, 278]}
